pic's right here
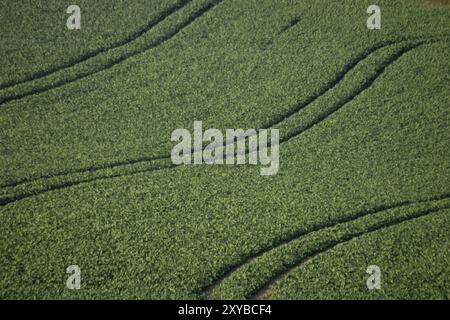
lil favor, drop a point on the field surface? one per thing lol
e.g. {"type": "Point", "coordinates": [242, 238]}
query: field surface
{"type": "Point", "coordinates": [86, 177]}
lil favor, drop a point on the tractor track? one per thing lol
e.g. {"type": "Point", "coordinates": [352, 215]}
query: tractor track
{"type": "Point", "coordinates": [263, 292]}
{"type": "Point", "coordinates": [294, 133]}
{"type": "Point", "coordinates": [229, 270]}
{"type": "Point", "coordinates": [133, 36]}
{"type": "Point", "coordinates": [121, 58]}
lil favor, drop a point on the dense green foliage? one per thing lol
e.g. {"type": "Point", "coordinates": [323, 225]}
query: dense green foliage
{"type": "Point", "coordinates": [86, 177]}
{"type": "Point", "coordinates": [35, 39]}
{"type": "Point", "coordinates": [421, 243]}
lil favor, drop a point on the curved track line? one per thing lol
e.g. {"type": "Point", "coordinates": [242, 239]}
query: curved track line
{"type": "Point", "coordinates": [295, 133]}
{"type": "Point", "coordinates": [226, 272]}
{"type": "Point", "coordinates": [133, 36]}
{"type": "Point", "coordinates": [63, 185]}
{"type": "Point", "coordinates": [366, 85]}
{"type": "Point", "coordinates": [93, 168]}
{"type": "Point", "coordinates": [159, 40]}
{"type": "Point", "coordinates": [341, 74]}
{"type": "Point", "coordinates": [262, 292]}
{"type": "Point", "coordinates": [347, 68]}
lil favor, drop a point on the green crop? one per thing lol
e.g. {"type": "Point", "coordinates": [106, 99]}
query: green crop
{"type": "Point", "coordinates": [86, 178]}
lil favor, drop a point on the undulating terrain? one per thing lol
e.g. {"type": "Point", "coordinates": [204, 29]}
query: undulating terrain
{"type": "Point", "coordinates": [86, 177]}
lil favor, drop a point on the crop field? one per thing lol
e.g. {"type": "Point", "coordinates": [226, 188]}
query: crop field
{"type": "Point", "coordinates": [87, 178]}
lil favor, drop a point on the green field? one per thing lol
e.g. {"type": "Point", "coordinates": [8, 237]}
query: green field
{"type": "Point", "coordinates": [86, 177]}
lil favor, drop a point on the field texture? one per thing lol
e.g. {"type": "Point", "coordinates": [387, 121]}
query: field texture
{"type": "Point", "coordinates": [86, 177]}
